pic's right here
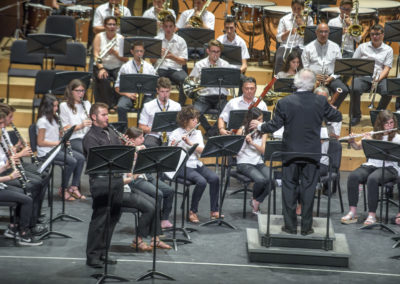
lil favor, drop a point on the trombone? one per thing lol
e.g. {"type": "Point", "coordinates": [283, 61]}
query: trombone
{"type": "Point", "coordinates": [374, 87]}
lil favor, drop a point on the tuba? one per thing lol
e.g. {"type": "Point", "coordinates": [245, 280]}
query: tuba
{"type": "Point", "coordinates": [355, 29]}
{"type": "Point", "coordinates": [196, 21]}
{"type": "Point", "coordinates": [164, 11]}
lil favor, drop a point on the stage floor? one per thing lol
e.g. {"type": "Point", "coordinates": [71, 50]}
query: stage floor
{"type": "Point", "coordinates": [217, 254]}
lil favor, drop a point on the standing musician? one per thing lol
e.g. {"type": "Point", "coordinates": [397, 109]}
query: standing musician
{"type": "Point", "coordinates": [175, 54]}
{"type": "Point", "coordinates": [135, 66]}
{"type": "Point", "coordinates": [100, 134]}
{"type": "Point", "coordinates": [344, 20]}
{"type": "Point", "coordinates": [250, 160]}
{"type": "Point", "coordinates": [243, 102]}
{"type": "Point", "coordinates": [292, 65]}
{"type": "Point", "coordinates": [209, 97]}
{"type": "Point", "coordinates": [106, 68]}
{"type": "Point", "coordinates": [382, 53]}
{"type": "Point", "coordinates": [301, 114]}
{"type": "Point", "coordinates": [161, 103]}
{"type": "Point", "coordinates": [207, 17]}
{"type": "Point", "coordinates": [186, 136]}
{"type": "Point", "coordinates": [153, 13]}
{"type": "Point", "coordinates": [287, 34]}
{"type": "Point", "coordinates": [371, 171]}
{"type": "Point", "coordinates": [320, 56]}
{"type": "Point", "coordinates": [112, 8]}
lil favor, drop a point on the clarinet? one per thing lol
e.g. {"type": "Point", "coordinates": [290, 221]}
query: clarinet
{"type": "Point", "coordinates": [120, 135]}
{"type": "Point", "coordinates": [33, 156]}
{"type": "Point", "coordinates": [69, 149]}
{"type": "Point", "coordinates": [22, 179]}
{"type": "Point", "coordinates": [84, 109]}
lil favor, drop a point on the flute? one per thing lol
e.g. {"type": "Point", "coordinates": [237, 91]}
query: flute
{"type": "Point", "coordinates": [363, 134]}
{"type": "Point", "coordinates": [33, 156]}
{"type": "Point", "coordinates": [187, 133]}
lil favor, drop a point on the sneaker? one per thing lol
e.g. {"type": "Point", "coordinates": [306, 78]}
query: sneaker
{"type": "Point", "coordinates": [39, 230]}
{"type": "Point", "coordinates": [11, 233]}
{"type": "Point", "coordinates": [27, 240]}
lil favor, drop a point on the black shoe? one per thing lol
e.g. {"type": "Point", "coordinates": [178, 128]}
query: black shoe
{"type": "Point", "coordinates": [355, 121]}
{"type": "Point", "coordinates": [309, 232]}
{"type": "Point", "coordinates": [39, 230]}
{"type": "Point", "coordinates": [95, 263]}
{"type": "Point", "coordinates": [286, 230]}
{"type": "Point", "coordinates": [110, 260]}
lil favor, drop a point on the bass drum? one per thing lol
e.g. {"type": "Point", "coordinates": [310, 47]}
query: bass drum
{"type": "Point", "coordinates": [272, 16]}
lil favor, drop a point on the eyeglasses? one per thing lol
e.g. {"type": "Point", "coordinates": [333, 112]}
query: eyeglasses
{"type": "Point", "coordinates": [389, 122]}
{"type": "Point", "coordinates": [323, 32]}
{"type": "Point", "coordinates": [376, 34]}
{"type": "Point", "coordinates": [111, 25]}
{"type": "Point", "coordinates": [79, 91]}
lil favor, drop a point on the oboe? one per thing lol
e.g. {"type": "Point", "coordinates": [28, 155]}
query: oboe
{"type": "Point", "coordinates": [69, 149]}
{"type": "Point", "coordinates": [33, 156]}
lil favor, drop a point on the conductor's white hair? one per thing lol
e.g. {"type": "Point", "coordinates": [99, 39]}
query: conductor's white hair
{"type": "Point", "coordinates": [322, 90]}
{"type": "Point", "coordinates": [305, 80]}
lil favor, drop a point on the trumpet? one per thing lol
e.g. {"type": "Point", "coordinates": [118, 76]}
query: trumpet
{"type": "Point", "coordinates": [106, 49]}
{"type": "Point", "coordinates": [187, 134]}
{"type": "Point", "coordinates": [33, 156]}
{"type": "Point", "coordinates": [196, 21]}
{"type": "Point", "coordinates": [374, 86]}
{"type": "Point", "coordinates": [162, 59]}
{"type": "Point", "coordinates": [345, 138]}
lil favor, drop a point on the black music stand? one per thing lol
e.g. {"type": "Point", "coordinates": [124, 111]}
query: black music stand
{"type": "Point", "coordinates": [174, 240]}
{"type": "Point", "coordinates": [159, 159]}
{"type": "Point", "coordinates": [152, 46]}
{"type": "Point", "coordinates": [196, 38]}
{"type": "Point", "coordinates": [335, 34]}
{"type": "Point", "coordinates": [236, 118]}
{"type": "Point", "coordinates": [222, 146]}
{"type": "Point", "coordinates": [138, 26]}
{"type": "Point", "coordinates": [62, 79]}
{"type": "Point", "coordinates": [284, 85]}
{"type": "Point", "coordinates": [47, 44]}
{"type": "Point", "coordinates": [109, 160]}
{"type": "Point", "coordinates": [392, 34]}
{"type": "Point", "coordinates": [385, 151]}
{"type": "Point", "coordinates": [164, 121]}
{"type": "Point", "coordinates": [352, 67]}
{"type": "Point", "coordinates": [232, 54]}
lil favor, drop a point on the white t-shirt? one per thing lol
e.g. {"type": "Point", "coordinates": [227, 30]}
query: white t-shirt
{"type": "Point", "coordinates": [237, 41]}
{"type": "Point", "coordinates": [52, 134]}
{"type": "Point", "coordinates": [249, 154]}
{"type": "Point", "coordinates": [70, 118]}
{"type": "Point", "coordinates": [195, 137]}
{"type": "Point", "coordinates": [103, 11]}
{"type": "Point", "coordinates": [239, 104]}
{"type": "Point", "coordinates": [177, 46]}
{"type": "Point", "coordinates": [110, 61]}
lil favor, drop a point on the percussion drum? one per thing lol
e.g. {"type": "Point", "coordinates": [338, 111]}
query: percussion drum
{"type": "Point", "coordinates": [385, 10]}
{"type": "Point", "coordinates": [272, 16]}
{"type": "Point", "coordinates": [79, 11]}
{"type": "Point", "coordinates": [37, 13]}
{"type": "Point", "coordinates": [365, 17]}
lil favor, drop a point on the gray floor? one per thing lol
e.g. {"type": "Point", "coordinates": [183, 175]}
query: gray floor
{"type": "Point", "coordinates": [217, 254]}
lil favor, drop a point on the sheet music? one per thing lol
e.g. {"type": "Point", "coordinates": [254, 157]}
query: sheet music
{"type": "Point", "coordinates": [171, 175]}
{"type": "Point", "coordinates": [50, 159]}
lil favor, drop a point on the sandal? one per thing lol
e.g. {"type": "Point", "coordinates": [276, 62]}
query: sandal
{"type": "Point", "coordinates": [193, 217]}
{"type": "Point", "coordinates": [141, 246]}
{"type": "Point", "coordinates": [67, 195]}
{"type": "Point", "coordinates": [160, 245]}
{"type": "Point", "coordinates": [370, 220]}
{"type": "Point", "coordinates": [350, 218]}
{"type": "Point", "coordinates": [258, 212]}
{"type": "Point", "coordinates": [215, 215]}
{"type": "Point", "coordinates": [74, 191]}
{"type": "Point", "coordinates": [395, 220]}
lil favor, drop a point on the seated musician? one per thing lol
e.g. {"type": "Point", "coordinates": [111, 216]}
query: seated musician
{"type": "Point", "coordinates": [292, 65]}
{"type": "Point", "coordinates": [153, 12]}
{"type": "Point", "coordinates": [320, 56]}
{"type": "Point", "coordinates": [240, 103]}
{"type": "Point", "coordinates": [112, 8]}
{"type": "Point", "coordinates": [344, 20]}
{"type": "Point", "coordinates": [143, 193]}
{"type": "Point", "coordinates": [250, 161]}
{"type": "Point", "coordinates": [106, 67]}
{"type": "Point", "coordinates": [135, 66]}
{"type": "Point", "coordinates": [161, 103]}
{"type": "Point", "coordinates": [371, 171]}
{"type": "Point", "coordinates": [382, 53]}
{"type": "Point", "coordinates": [176, 57]}
{"type": "Point", "coordinates": [209, 97]}
{"type": "Point", "coordinates": [207, 17]}
{"type": "Point", "coordinates": [288, 26]}
{"type": "Point", "coordinates": [196, 171]}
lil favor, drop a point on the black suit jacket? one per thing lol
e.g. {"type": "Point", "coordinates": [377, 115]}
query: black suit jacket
{"type": "Point", "coordinates": [302, 114]}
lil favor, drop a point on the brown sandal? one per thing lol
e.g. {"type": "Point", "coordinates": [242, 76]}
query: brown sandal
{"type": "Point", "coordinates": [160, 245]}
{"type": "Point", "coordinates": [67, 195]}
{"type": "Point", "coordinates": [74, 191]}
{"type": "Point", "coordinates": [193, 217]}
{"type": "Point", "coordinates": [215, 215]}
{"type": "Point", "coordinates": [142, 246]}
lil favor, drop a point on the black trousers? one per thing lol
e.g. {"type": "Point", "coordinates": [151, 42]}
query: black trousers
{"type": "Point", "coordinates": [96, 239]}
{"type": "Point", "coordinates": [204, 103]}
{"type": "Point", "coordinates": [102, 88]}
{"type": "Point", "coordinates": [299, 179]}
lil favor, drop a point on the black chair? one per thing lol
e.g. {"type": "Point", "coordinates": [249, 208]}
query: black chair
{"type": "Point", "coordinates": [58, 24]}
{"type": "Point", "coordinates": [13, 208]}
{"type": "Point", "coordinates": [335, 151]}
{"type": "Point", "coordinates": [75, 56]}
{"type": "Point", "coordinates": [135, 213]}
{"type": "Point", "coordinates": [43, 84]}
{"type": "Point", "coordinates": [19, 55]}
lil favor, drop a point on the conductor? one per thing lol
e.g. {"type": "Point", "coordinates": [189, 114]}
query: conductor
{"type": "Point", "coordinates": [302, 115]}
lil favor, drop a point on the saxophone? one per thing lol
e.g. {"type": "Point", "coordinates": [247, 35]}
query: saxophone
{"type": "Point", "coordinates": [196, 21]}
{"type": "Point", "coordinates": [355, 29]}
{"type": "Point", "coordinates": [139, 99]}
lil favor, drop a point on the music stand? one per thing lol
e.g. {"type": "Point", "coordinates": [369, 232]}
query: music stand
{"type": "Point", "coordinates": [335, 34]}
{"type": "Point", "coordinates": [160, 159]}
{"type": "Point", "coordinates": [164, 121]}
{"type": "Point", "coordinates": [62, 79]}
{"type": "Point", "coordinates": [196, 38]}
{"type": "Point", "coordinates": [109, 160]}
{"type": "Point", "coordinates": [152, 46]}
{"type": "Point", "coordinates": [352, 67]}
{"type": "Point", "coordinates": [232, 54]}
{"type": "Point", "coordinates": [284, 85]}
{"type": "Point", "coordinates": [385, 151]}
{"type": "Point", "coordinates": [222, 146]}
{"type": "Point", "coordinates": [47, 44]}
{"type": "Point", "coordinates": [138, 26]}
{"type": "Point", "coordinates": [236, 118]}
{"type": "Point", "coordinates": [392, 34]}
